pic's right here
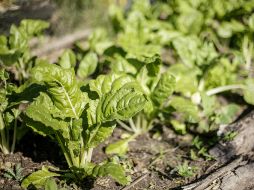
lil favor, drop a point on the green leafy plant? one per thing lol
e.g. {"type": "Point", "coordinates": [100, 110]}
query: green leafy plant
{"type": "Point", "coordinates": [80, 118]}
{"type": "Point", "coordinates": [14, 49]}
{"type": "Point", "coordinates": [185, 170]}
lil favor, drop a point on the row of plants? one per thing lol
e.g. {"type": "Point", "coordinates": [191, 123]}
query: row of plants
{"type": "Point", "coordinates": [183, 64]}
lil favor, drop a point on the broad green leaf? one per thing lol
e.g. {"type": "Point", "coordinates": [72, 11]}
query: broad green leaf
{"type": "Point", "coordinates": [50, 184]}
{"type": "Point", "coordinates": [18, 38]}
{"type": "Point", "coordinates": [114, 170]}
{"type": "Point", "coordinates": [192, 51]}
{"type": "Point", "coordinates": [104, 83]}
{"type": "Point", "coordinates": [227, 114]}
{"type": "Point", "coordinates": [120, 64]}
{"type": "Point", "coordinates": [62, 88]}
{"type": "Point", "coordinates": [182, 75]}
{"type": "Point", "coordinates": [33, 27]}
{"type": "Point", "coordinates": [38, 178]}
{"type": "Point", "coordinates": [99, 134]}
{"type": "Point", "coordinates": [120, 104]}
{"type": "Point", "coordinates": [68, 59]}
{"type": "Point", "coordinates": [43, 111]}
{"type": "Point", "coordinates": [248, 92]}
{"type": "Point", "coordinates": [163, 89]}
{"type": "Point", "coordinates": [209, 104]}
{"type": "Point", "coordinates": [98, 41]}
{"type": "Point", "coordinates": [87, 65]}
{"type": "Point", "coordinates": [186, 108]}
{"type": "Point", "coordinates": [120, 147]}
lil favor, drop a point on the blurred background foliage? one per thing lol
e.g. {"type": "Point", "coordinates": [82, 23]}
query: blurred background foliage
{"type": "Point", "coordinates": [65, 15]}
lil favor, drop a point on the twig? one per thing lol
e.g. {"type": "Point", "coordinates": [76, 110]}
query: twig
{"type": "Point", "coordinates": [135, 181]}
{"type": "Point", "coordinates": [60, 43]}
{"type": "Point", "coordinates": [202, 184]}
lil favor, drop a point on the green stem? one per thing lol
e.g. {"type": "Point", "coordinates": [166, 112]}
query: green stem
{"type": "Point", "coordinates": [123, 125]}
{"type": "Point", "coordinates": [133, 126]}
{"type": "Point", "coordinates": [14, 136]}
{"type": "Point", "coordinates": [5, 147]}
{"type": "Point", "coordinates": [66, 153]}
{"type": "Point", "coordinates": [223, 89]}
{"type": "Point", "coordinates": [86, 157]}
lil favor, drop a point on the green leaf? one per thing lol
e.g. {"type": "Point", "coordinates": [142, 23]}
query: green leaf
{"type": "Point", "coordinates": [62, 87]}
{"type": "Point", "coordinates": [42, 111]}
{"type": "Point", "coordinates": [87, 65]}
{"type": "Point", "coordinates": [68, 59]}
{"type": "Point", "coordinates": [18, 39]}
{"type": "Point", "coordinates": [33, 27]}
{"type": "Point", "coordinates": [248, 92]}
{"type": "Point", "coordinates": [50, 184]}
{"type": "Point", "coordinates": [227, 114]}
{"type": "Point", "coordinates": [114, 170]}
{"type": "Point", "coordinates": [163, 89]}
{"type": "Point", "coordinates": [120, 147]}
{"type": "Point", "coordinates": [120, 64]}
{"type": "Point", "coordinates": [178, 127]}
{"type": "Point", "coordinates": [104, 83]}
{"type": "Point", "coordinates": [99, 134]}
{"type": "Point", "coordinates": [120, 104]}
{"type": "Point", "coordinates": [38, 178]}
{"type": "Point", "coordinates": [209, 104]}
{"type": "Point", "coordinates": [182, 75]}
{"type": "Point", "coordinates": [186, 108]}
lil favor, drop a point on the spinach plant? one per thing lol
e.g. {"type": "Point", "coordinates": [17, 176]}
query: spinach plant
{"type": "Point", "coordinates": [79, 119]}
{"type": "Point", "coordinates": [15, 54]}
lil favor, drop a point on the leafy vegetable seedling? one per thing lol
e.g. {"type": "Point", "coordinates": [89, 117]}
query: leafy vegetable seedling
{"type": "Point", "coordinates": [78, 119]}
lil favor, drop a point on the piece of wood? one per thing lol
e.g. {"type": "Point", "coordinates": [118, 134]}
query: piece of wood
{"type": "Point", "coordinates": [232, 173]}
{"type": "Point", "coordinates": [242, 144]}
{"type": "Point", "coordinates": [60, 43]}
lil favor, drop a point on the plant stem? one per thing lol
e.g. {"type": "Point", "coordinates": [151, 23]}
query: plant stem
{"type": "Point", "coordinates": [86, 157]}
{"type": "Point", "coordinates": [66, 153]}
{"type": "Point", "coordinates": [5, 147]}
{"type": "Point", "coordinates": [14, 136]}
{"type": "Point", "coordinates": [133, 126]}
{"type": "Point", "coordinates": [123, 125]}
{"type": "Point", "coordinates": [223, 89]}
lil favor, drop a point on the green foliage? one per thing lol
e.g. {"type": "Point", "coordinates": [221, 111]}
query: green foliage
{"type": "Point", "coordinates": [68, 115]}
{"type": "Point", "coordinates": [38, 178]}
{"type": "Point", "coordinates": [185, 170]}
{"type": "Point", "coordinates": [185, 64]}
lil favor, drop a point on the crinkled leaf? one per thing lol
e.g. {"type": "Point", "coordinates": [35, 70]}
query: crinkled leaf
{"type": "Point", "coordinates": [41, 111]}
{"type": "Point", "coordinates": [120, 104]}
{"type": "Point", "coordinates": [38, 178]}
{"type": "Point", "coordinates": [163, 89]}
{"type": "Point", "coordinates": [99, 134]}
{"type": "Point", "coordinates": [104, 83]}
{"type": "Point", "coordinates": [62, 88]}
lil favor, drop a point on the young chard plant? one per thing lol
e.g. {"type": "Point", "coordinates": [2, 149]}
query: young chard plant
{"type": "Point", "coordinates": [15, 53]}
{"type": "Point", "coordinates": [80, 118]}
{"type": "Point", "coordinates": [158, 87]}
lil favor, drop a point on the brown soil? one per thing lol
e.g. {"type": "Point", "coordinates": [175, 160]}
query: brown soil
{"type": "Point", "coordinates": [150, 162]}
